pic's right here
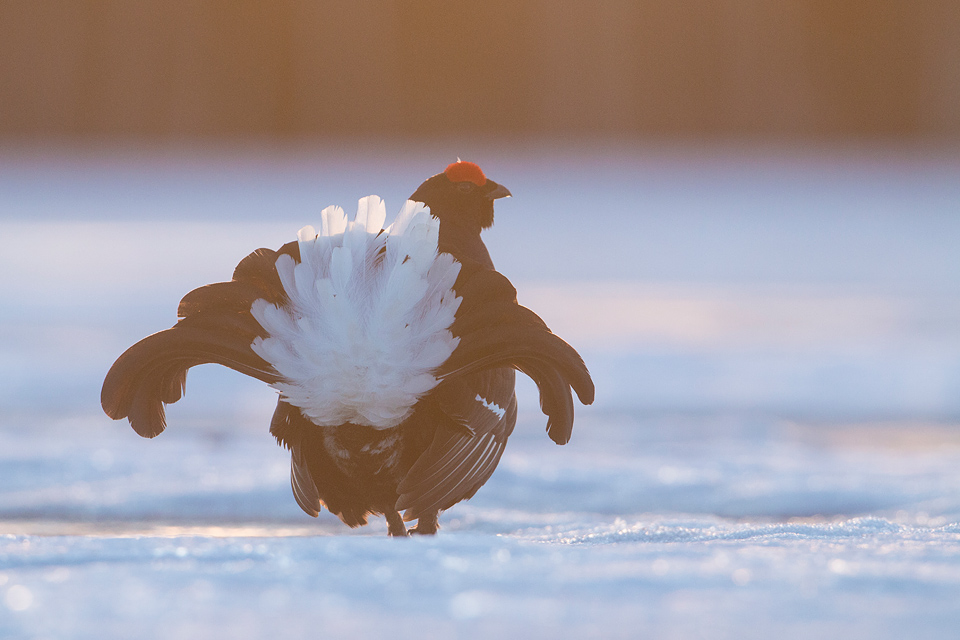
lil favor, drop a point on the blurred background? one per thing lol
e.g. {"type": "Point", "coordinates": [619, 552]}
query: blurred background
{"type": "Point", "coordinates": [160, 70]}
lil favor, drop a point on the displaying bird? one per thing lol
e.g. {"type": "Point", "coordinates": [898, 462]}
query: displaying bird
{"type": "Point", "coordinates": [393, 349]}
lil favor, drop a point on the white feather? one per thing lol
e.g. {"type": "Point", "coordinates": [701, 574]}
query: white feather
{"type": "Point", "coordinates": [368, 319]}
{"type": "Point", "coordinates": [492, 406]}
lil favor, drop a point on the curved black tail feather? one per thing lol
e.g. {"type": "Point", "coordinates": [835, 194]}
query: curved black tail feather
{"type": "Point", "coordinates": [496, 331]}
{"type": "Point", "coordinates": [215, 327]}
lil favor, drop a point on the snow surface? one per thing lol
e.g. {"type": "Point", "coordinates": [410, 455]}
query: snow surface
{"type": "Point", "coordinates": [774, 451]}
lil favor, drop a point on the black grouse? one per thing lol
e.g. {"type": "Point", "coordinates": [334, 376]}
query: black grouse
{"type": "Point", "coordinates": [394, 351]}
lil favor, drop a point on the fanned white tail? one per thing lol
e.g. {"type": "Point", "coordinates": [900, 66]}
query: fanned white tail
{"type": "Point", "coordinates": [368, 321]}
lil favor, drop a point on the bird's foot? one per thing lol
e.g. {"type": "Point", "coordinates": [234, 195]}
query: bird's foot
{"type": "Point", "coordinates": [395, 526]}
{"type": "Point", "coordinates": [426, 526]}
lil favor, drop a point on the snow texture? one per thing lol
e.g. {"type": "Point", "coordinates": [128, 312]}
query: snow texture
{"type": "Point", "coordinates": [774, 450]}
{"type": "Point", "coordinates": [368, 317]}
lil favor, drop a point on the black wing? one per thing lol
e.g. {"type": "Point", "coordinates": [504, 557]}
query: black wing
{"type": "Point", "coordinates": [475, 400]}
{"type": "Point", "coordinates": [495, 331]}
{"type": "Point", "coordinates": [285, 427]}
{"type": "Point", "coordinates": [475, 415]}
{"type": "Point", "coordinates": [215, 326]}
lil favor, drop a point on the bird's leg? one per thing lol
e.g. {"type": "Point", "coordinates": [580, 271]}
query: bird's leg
{"type": "Point", "coordinates": [427, 524]}
{"type": "Point", "coordinates": [395, 526]}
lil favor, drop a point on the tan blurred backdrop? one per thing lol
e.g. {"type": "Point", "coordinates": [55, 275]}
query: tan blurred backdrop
{"type": "Point", "coordinates": [160, 69]}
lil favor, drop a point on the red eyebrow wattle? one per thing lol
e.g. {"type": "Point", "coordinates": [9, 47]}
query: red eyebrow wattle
{"type": "Point", "coordinates": [461, 171]}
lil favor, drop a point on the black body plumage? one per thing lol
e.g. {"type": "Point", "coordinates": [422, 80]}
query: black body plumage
{"type": "Point", "coordinates": [451, 442]}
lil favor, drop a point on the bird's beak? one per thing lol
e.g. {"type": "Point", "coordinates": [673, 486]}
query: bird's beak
{"type": "Point", "coordinates": [496, 190]}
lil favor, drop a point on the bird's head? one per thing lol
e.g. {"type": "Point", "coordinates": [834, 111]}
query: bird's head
{"type": "Point", "coordinates": [461, 194]}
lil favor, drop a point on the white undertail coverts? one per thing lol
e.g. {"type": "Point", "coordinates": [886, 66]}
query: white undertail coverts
{"type": "Point", "coordinates": [368, 318]}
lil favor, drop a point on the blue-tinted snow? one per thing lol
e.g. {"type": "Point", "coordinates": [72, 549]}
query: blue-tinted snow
{"type": "Point", "coordinates": [774, 451]}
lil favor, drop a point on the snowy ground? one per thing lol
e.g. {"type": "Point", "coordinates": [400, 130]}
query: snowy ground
{"type": "Point", "coordinates": [774, 451]}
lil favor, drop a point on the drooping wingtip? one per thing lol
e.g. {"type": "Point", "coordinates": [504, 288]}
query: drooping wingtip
{"type": "Point", "coordinates": [495, 331]}
{"type": "Point", "coordinates": [153, 372]}
{"type": "Point", "coordinates": [134, 388]}
{"type": "Point", "coordinates": [216, 327]}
